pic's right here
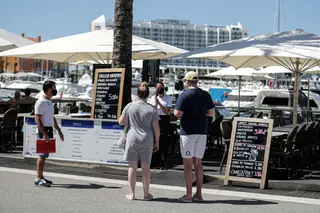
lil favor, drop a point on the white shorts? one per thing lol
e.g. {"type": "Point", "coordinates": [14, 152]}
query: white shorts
{"type": "Point", "coordinates": [193, 146]}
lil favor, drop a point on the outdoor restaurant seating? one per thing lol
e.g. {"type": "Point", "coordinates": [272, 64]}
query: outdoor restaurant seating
{"type": "Point", "coordinates": [298, 142]}
{"type": "Point", "coordinates": [7, 129]}
{"type": "Point", "coordinates": [214, 134]}
{"type": "Point", "coordinates": [292, 154]}
{"type": "Point", "coordinates": [282, 150]}
{"type": "Point", "coordinates": [316, 148]}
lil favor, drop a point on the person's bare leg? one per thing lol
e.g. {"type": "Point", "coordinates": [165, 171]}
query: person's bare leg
{"type": "Point", "coordinates": [199, 176]}
{"type": "Point", "coordinates": [145, 178]}
{"type": "Point", "coordinates": [187, 163]}
{"type": "Point", "coordinates": [132, 177]}
{"type": "Point", "coordinates": [40, 166]}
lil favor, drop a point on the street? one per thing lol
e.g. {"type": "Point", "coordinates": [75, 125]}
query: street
{"type": "Point", "coordinates": [85, 194]}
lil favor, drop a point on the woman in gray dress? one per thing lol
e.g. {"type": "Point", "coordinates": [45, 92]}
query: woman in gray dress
{"type": "Point", "coordinates": [142, 138]}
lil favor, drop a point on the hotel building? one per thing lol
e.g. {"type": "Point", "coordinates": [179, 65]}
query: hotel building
{"type": "Point", "coordinates": [185, 35]}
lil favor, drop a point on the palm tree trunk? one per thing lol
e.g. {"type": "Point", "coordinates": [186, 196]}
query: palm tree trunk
{"type": "Point", "coordinates": [122, 46]}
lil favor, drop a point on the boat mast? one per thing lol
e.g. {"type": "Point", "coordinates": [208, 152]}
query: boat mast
{"type": "Point", "coordinates": [276, 23]}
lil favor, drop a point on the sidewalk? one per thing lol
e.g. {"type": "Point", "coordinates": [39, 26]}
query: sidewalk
{"type": "Point", "coordinates": [172, 177]}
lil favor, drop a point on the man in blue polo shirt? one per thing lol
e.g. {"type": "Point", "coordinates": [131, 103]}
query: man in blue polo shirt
{"type": "Point", "coordinates": [193, 106]}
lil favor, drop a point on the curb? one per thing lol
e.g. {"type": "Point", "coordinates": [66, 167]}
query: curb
{"type": "Point", "coordinates": [295, 185]}
{"type": "Point", "coordinates": [177, 176]}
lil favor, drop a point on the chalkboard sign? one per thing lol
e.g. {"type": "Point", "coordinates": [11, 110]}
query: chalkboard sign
{"type": "Point", "coordinates": [107, 93]}
{"type": "Point", "coordinates": [249, 150]}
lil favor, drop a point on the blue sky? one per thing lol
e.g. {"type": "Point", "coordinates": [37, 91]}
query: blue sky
{"type": "Point", "coordinates": [57, 18]}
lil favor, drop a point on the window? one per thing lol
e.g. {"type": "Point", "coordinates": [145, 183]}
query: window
{"type": "Point", "coordinates": [275, 101]}
{"type": "Point", "coordinates": [242, 98]}
{"type": "Point", "coordinates": [313, 104]}
{"type": "Point", "coordinates": [97, 27]}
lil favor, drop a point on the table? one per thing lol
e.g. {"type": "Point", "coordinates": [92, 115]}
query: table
{"type": "Point", "coordinates": [225, 119]}
{"type": "Point", "coordinates": [74, 115]}
{"type": "Point", "coordinates": [278, 134]}
{"type": "Point", "coordinates": [20, 115]}
{"type": "Point", "coordinates": [286, 128]}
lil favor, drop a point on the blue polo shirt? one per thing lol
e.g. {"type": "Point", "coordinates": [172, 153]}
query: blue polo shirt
{"type": "Point", "coordinates": [194, 103]}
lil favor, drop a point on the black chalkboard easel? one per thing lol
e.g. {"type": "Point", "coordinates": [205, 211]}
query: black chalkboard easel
{"type": "Point", "coordinates": [107, 93]}
{"type": "Point", "coordinates": [249, 151]}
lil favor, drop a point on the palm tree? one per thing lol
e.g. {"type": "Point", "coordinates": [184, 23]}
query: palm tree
{"type": "Point", "coordinates": [122, 46]}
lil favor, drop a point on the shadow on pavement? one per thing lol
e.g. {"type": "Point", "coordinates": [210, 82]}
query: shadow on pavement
{"type": "Point", "coordinates": [84, 186]}
{"type": "Point", "coordinates": [232, 202]}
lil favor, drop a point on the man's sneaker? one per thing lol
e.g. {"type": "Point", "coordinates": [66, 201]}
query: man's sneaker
{"type": "Point", "coordinates": [41, 182]}
{"type": "Point", "coordinates": [48, 181]}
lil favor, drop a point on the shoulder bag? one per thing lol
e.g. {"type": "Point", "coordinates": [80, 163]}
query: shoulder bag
{"type": "Point", "coordinates": [123, 139]}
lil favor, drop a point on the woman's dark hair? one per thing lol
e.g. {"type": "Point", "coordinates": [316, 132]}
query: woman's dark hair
{"type": "Point", "coordinates": [143, 90]}
{"type": "Point", "coordinates": [159, 82]}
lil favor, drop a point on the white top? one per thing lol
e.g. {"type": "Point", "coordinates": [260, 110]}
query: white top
{"type": "Point", "coordinates": [45, 108]}
{"type": "Point", "coordinates": [166, 101]}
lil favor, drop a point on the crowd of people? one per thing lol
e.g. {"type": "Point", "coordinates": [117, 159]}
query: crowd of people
{"type": "Point", "coordinates": [147, 121]}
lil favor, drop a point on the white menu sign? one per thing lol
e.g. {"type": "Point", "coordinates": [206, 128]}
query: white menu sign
{"type": "Point", "coordinates": [85, 140]}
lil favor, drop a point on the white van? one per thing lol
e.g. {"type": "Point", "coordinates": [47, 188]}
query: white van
{"type": "Point", "coordinates": [281, 99]}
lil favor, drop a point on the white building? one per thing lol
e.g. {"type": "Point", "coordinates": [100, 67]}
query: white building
{"type": "Point", "coordinates": [184, 35]}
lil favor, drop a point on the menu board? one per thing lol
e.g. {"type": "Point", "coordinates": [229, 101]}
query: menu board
{"type": "Point", "coordinates": [107, 94]}
{"type": "Point", "coordinates": [249, 150]}
{"type": "Point", "coordinates": [85, 140]}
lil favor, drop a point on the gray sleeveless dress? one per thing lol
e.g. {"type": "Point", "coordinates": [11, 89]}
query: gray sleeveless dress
{"type": "Point", "coordinates": [140, 136]}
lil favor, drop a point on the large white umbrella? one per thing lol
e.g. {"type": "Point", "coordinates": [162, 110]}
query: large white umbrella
{"type": "Point", "coordinates": [95, 46]}
{"type": "Point", "coordinates": [10, 40]}
{"type": "Point", "coordinates": [233, 73]}
{"type": "Point", "coordinates": [272, 70]}
{"type": "Point", "coordinates": [238, 74]}
{"type": "Point", "coordinates": [295, 50]}
{"type": "Point", "coordinates": [135, 64]}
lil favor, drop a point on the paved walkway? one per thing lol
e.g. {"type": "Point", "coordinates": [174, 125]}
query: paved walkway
{"type": "Point", "coordinates": [86, 194]}
{"type": "Point", "coordinates": [169, 178]}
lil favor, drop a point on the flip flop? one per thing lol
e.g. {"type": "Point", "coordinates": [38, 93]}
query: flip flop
{"type": "Point", "coordinates": [183, 199]}
{"type": "Point", "coordinates": [196, 198]}
{"type": "Point", "coordinates": [129, 197]}
{"type": "Point", "coordinates": [149, 198]}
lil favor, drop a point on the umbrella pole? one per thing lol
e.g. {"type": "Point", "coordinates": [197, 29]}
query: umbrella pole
{"type": "Point", "coordinates": [308, 101]}
{"type": "Point", "coordinates": [296, 93]}
{"type": "Point", "coordinates": [239, 95]}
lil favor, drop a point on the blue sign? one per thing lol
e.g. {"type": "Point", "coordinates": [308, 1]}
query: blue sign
{"type": "Point", "coordinates": [31, 121]}
{"type": "Point", "coordinates": [217, 94]}
{"type": "Point", "coordinates": [77, 123]}
{"type": "Point", "coordinates": [111, 125]}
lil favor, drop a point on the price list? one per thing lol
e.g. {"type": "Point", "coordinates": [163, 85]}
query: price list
{"type": "Point", "coordinates": [249, 149]}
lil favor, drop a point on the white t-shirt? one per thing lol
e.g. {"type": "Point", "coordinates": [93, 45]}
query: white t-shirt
{"type": "Point", "coordinates": [45, 108]}
{"type": "Point", "coordinates": [165, 101]}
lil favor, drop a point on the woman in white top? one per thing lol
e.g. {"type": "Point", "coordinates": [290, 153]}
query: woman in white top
{"type": "Point", "coordinates": [163, 103]}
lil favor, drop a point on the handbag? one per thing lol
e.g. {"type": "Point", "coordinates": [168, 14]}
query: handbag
{"type": "Point", "coordinates": [123, 139]}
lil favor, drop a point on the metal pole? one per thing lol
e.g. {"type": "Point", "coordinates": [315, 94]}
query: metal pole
{"type": "Point", "coordinates": [296, 93]}
{"type": "Point", "coordinates": [47, 72]}
{"type": "Point", "coordinates": [308, 101]}
{"type": "Point", "coordinates": [239, 95]}
{"type": "Point", "coordinates": [278, 5]}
